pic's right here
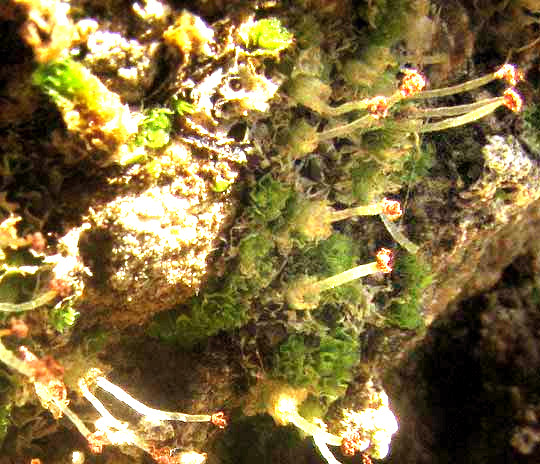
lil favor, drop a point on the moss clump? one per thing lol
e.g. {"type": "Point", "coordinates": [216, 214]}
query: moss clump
{"type": "Point", "coordinates": [225, 305]}
{"type": "Point", "coordinates": [269, 34]}
{"type": "Point", "coordinates": [301, 139]}
{"type": "Point", "coordinates": [375, 69]}
{"type": "Point", "coordinates": [66, 80]}
{"type": "Point", "coordinates": [366, 178]}
{"type": "Point", "coordinates": [88, 107]}
{"type": "Point", "coordinates": [63, 78]}
{"type": "Point", "coordinates": [332, 256]}
{"type": "Point", "coordinates": [270, 199]}
{"type": "Point", "coordinates": [155, 128]}
{"type": "Point", "coordinates": [322, 366]}
{"type": "Point", "coordinates": [414, 276]}
{"type": "Point", "coordinates": [387, 20]}
{"type": "Point", "coordinates": [256, 260]}
{"type": "Point", "coordinates": [208, 314]}
{"type": "Point", "coordinates": [64, 316]}
{"type": "Point", "coordinates": [182, 107]}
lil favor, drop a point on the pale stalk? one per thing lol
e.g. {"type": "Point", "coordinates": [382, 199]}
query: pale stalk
{"type": "Point", "coordinates": [77, 422]}
{"type": "Point", "coordinates": [461, 120]}
{"type": "Point", "coordinates": [365, 210]}
{"type": "Point", "coordinates": [364, 122]}
{"type": "Point", "coordinates": [98, 405]}
{"type": "Point", "coordinates": [398, 236]}
{"type": "Point", "coordinates": [345, 277]}
{"type": "Point", "coordinates": [345, 108]}
{"type": "Point", "coordinates": [452, 110]}
{"type": "Point", "coordinates": [314, 430]}
{"type": "Point", "coordinates": [459, 88]}
{"type": "Point", "coordinates": [35, 303]}
{"type": "Point", "coordinates": [323, 449]}
{"type": "Point", "coordinates": [154, 414]}
{"type": "Point", "coordinates": [361, 123]}
{"type": "Point", "coordinates": [451, 122]}
{"type": "Point", "coordinates": [12, 361]}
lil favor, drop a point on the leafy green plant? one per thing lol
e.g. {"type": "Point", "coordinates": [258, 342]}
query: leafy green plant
{"type": "Point", "coordinates": [331, 256]}
{"type": "Point", "coordinates": [225, 305]}
{"type": "Point", "coordinates": [155, 128]}
{"type": "Point", "coordinates": [95, 341]}
{"type": "Point", "coordinates": [387, 18]}
{"type": "Point", "coordinates": [62, 78]}
{"type": "Point", "coordinates": [63, 316]}
{"type": "Point", "coordinates": [269, 34]}
{"type": "Point", "coordinates": [182, 107]}
{"type": "Point", "coordinates": [414, 276]}
{"type": "Point", "coordinates": [323, 366]}
{"type": "Point", "coordinates": [88, 107]}
{"type": "Point", "coordinates": [270, 199]}
{"type": "Point", "coordinates": [256, 260]}
{"type": "Point", "coordinates": [367, 179]}
{"type": "Point", "coordinates": [208, 314]}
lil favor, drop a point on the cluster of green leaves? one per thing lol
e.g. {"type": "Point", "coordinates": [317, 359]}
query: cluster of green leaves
{"type": "Point", "coordinates": [269, 34]}
{"type": "Point", "coordinates": [271, 202]}
{"type": "Point", "coordinates": [155, 129]}
{"type": "Point", "coordinates": [257, 260]}
{"type": "Point", "coordinates": [321, 357]}
{"type": "Point", "coordinates": [323, 365]}
{"type": "Point", "coordinates": [225, 303]}
{"type": "Point", "coordinates": [63, 316]}
{"type": "Point", "coordinates": [331, 256]}
{"type": "Point", "coordinates": [392, 161]}
{"type": "Point", "coordinates": [386, 19]}
{"type": "Point", "coordinates": [61, 78]}
{"type": "Point", "coordinates": [413, 277]}
{"type": "Point", "coordinates": [208, 314]}
{"type": "Point", "coordinates": [366, 176]}
{"type": "Point", "coordinates": [181, 107]}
